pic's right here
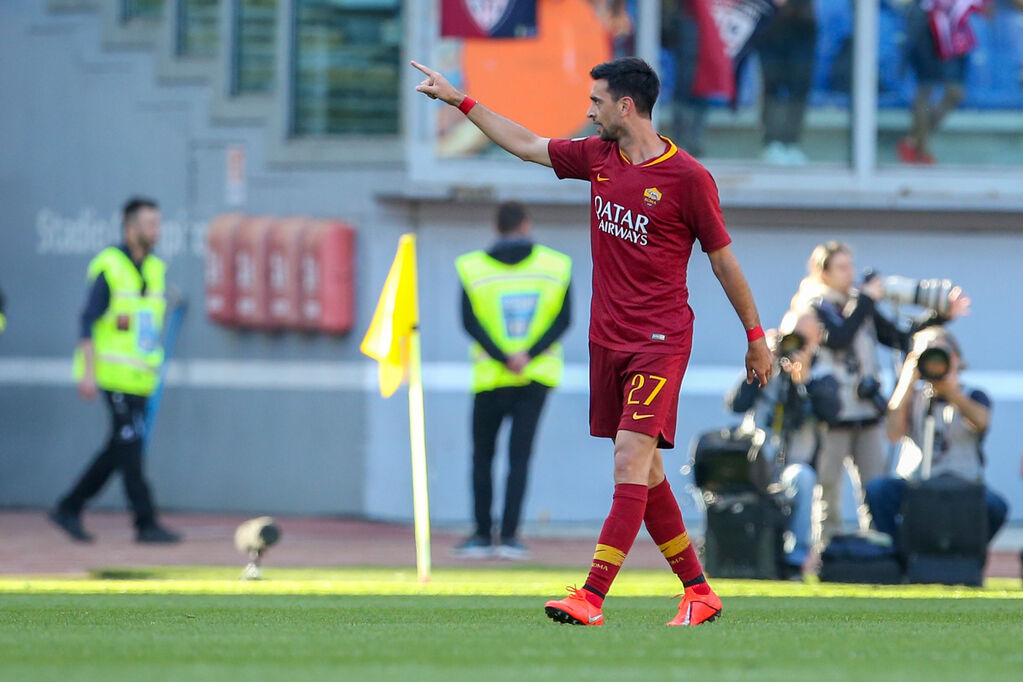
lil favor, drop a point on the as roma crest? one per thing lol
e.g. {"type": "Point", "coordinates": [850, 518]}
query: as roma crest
{"type": "Point", "coordinates": [651, 195]}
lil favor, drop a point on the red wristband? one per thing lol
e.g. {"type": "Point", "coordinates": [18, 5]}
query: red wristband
{"type": "Point", "coordinates": [755, 333]}
{"type": "Point", "coordinates": [467, 104]}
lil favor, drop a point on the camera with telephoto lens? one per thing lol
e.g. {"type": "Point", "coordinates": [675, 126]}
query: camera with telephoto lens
{"type": "Point", "coordinates": [933, 364]}
{"type": "Point", "coordinates": [928, 293]}
{"type": "Point", "coordinates": [869, 388]}
{"type": "Point", "coordinates": [253, 538]}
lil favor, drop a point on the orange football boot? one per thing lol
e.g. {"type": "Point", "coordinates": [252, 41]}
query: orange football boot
{"type": "Point", "coordinates": [697, 608]}
{"type": "Point", "coordinates": [574, 609]}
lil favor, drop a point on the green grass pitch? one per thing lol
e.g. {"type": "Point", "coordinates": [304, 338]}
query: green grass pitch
{"type": "Point", "coordinates": [488, 624]}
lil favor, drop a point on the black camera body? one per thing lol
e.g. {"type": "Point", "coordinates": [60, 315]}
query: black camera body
{"type": "Point", "coordinates": [790, 344]}
{"type": "Point", "coordinates": [869, 388]}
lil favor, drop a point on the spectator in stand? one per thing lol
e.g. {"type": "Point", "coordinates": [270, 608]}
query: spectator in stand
{"type": "Point", "coordinates": [787, 61]}
{"type": "Point", "coordinates": [680, 35]}
{"type": "Point", "coordinates": [617, 17]}
{"type": "Point", "coordinates": [938, 42]}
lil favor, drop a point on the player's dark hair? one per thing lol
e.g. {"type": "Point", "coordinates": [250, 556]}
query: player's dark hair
{"type": "Point", "coordinates": [134, 205]}
{"type": "Point", "coordinates": [510, 216]}
{"type": "Point", "coordinates": [630, 77]}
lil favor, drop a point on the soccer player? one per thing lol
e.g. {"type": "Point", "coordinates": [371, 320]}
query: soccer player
{"type": "Point", "coordinates": [650, 202]}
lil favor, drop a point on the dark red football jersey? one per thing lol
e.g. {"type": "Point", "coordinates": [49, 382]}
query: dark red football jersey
{"type": "Point", "coordinates": [643, 222]}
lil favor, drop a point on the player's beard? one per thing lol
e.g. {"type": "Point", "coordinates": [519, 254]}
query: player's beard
{"type": "Point", "coordinates": [608, 134]}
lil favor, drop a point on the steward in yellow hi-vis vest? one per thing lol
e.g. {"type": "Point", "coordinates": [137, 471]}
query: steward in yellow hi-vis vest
{"type": "Point", "coordinates": [516, 304]}
{"type": "Point", "coordinates": [127, 336]}
{"type": "Point", "coordinates": [119, 354]}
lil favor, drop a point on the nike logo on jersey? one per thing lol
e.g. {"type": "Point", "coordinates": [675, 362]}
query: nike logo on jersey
{"type": "Point", "coordinates": [636, 416]}
{"type": "Point", "coordinates": [601, 178]}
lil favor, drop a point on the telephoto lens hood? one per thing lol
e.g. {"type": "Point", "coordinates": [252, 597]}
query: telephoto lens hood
{"type": "Point", "coordinates": [933, 363]}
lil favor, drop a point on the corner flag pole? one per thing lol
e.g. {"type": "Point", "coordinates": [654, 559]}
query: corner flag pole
{"type": "Point", "coordinates": [417, 434]}
{"type": "Point", "coordinates": [417, 431]}
{"type": "Point", "coordinates": [393, 341]}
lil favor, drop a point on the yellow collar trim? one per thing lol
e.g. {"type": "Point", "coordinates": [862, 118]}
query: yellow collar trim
{"type": "Point", "coordinates": [671, 151]}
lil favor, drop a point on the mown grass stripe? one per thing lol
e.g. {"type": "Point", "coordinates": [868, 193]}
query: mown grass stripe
{"type": "Point", "coordinates": [454, 582]}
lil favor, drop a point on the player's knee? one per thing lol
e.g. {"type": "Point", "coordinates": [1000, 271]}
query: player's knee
{"type": "Point", "coordinates": [632, 465]}
{"type": "Point", "coordinates": [629, 468]}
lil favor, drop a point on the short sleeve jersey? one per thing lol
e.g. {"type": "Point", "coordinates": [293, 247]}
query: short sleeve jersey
{"type": "Point", "coordinates": [644, 219]}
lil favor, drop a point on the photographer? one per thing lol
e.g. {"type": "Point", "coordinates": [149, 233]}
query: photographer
{"type": "Point", "coordinates": [931, 375]}
{"type": "Point", "coordinates": [792, 410]}
{"type": "Point", "coordinates": [853, 328]}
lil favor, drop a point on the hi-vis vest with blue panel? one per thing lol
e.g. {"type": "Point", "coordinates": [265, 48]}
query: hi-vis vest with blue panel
{"type": "Point", "coordinates": [516, 304]}
{"type": "Point", "coordinates": [127, 338]}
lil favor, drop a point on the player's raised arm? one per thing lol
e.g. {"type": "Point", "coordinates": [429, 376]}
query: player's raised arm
{"type": "Point", "coordinates": [729, 273]}
{"type": "Point", "coordinates": [505, 133]}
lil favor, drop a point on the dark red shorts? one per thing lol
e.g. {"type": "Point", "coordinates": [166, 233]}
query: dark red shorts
{"type": "Point", "coordinates": [635, 392]}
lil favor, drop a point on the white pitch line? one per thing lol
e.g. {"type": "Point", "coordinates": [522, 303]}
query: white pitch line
{"type": "Point", "coordinates": [440, 377]}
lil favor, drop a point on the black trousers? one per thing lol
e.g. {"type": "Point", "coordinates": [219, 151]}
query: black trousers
{"type": "Point", "coordinates": [123, 452]}
{"type": "Point", "coordinates": [523, 404]}
{"type": "Point", "coordinates": [787, 61]}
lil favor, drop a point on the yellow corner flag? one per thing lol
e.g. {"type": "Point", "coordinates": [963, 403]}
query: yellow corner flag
{"type": "Point", "coordinates": [396, 316]}
{"type": "Point", "coordinates": [393, 341]}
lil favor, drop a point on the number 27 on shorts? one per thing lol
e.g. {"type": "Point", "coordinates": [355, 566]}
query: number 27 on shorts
{"type": "Point", "coordinates": [644, 384]}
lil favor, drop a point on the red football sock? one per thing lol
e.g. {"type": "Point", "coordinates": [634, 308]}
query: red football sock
{"type": "Point", "coordinates": [664, 522]}
{"type": "Point", "coordinates": [616, 537]}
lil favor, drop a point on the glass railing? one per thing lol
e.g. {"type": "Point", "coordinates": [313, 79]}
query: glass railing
{"type": "Point", "coordinates": [144, 10]}
{"type": "Point", "coordinates": [776, 90]}
{"type": "Point", "coordinates": [782, 94]}
{"type": "Point", "coordinates": [255, 40]}
{"type": "Point", "coordinates": [951, 93]}
{"type": "Point", "coordinates": [347, 59]}
{"type": "Point", "coordinates": [198, 34]}
{"type": "Point", "coordinates": [541, 82]}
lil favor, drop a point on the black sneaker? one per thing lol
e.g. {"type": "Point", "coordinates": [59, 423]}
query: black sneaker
{"type": "Point", "coordinates": [476, 547]}
{"type": "Point", "coordinates": [70, 523]}
{"type": "Point", "coordinates": [156, 533]}
{"type": "Point", "coordinates": [510, 548]}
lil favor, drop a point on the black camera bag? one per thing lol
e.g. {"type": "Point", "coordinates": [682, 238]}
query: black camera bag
{"type": "Point", "coordinates": [728, 461]}
{"type": "Point", "coordinates": [854, 558]}
{"type": "Point", "coordinates": [744, 536]}
{"type": "Point", "coordinates": [944, 531]}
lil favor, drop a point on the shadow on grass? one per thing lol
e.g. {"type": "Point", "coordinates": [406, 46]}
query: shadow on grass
{"type": "Point", "coordinates": [124, 574]}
